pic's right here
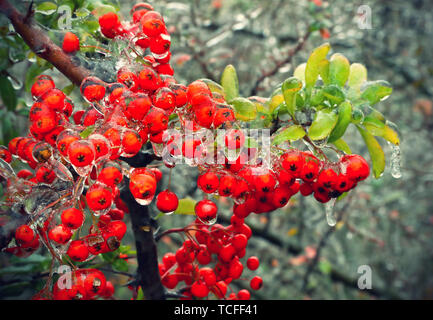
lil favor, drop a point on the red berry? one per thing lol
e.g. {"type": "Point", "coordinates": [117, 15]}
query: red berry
{"type": "Point", "coordinates": [99, 197]}
{"type": "Point", "coordinates": [206, 210]}
{"type": "Point", "coordinates": [81, 153]}
{"type": "Point", "coordinates": [293, 161]}
{"type": "Point", "coordinates": [78, 250]}
{"type": "Point", "coordinates": [199, 289]}
{"type": "Point", "coordinates": [142, 185]}
{"type": "Point", "coordinates": [60, 234]}
{"type": "Point", "coordinates": [110, 174]}
{"type": "Point", "coordinates": [253, 263]}
{"type": "Point", "coordinates": [256, 283]}
{"type": "Point", "coordinates": [152, 24]}
{"type": "Point", "coordinates": [239, 241]}
{"type": "Point", "coordinates": [356, 167]}
{"type": "Point", "coordinates": [71, 43]}
{"type": "Point", "coordinates": [244, 294]}
{"type": "Point", "coordinates": [167, 201]}
{"type": "Point", "coordinates": [208, 182]}
{"type": "Point", "coordinates": [72, 218]}
{"type": "Point", "coordinates": [24, 234]}
{"type": "Point", "coordinates": [208, 276]}
{"type": "Point", "coordinates": [42, 84]}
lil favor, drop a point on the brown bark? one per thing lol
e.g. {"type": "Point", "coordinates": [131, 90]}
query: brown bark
{"type": "Point", "coordinates": [42, 45]}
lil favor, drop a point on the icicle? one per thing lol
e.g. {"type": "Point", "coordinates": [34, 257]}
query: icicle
{"type": "Point", "coordinates": [330, 215]}
{"type": "Point", "coordinates": [396, 162]}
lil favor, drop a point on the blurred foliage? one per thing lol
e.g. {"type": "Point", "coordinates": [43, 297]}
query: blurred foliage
{"type": "Point", "coordinates": [386, 223]}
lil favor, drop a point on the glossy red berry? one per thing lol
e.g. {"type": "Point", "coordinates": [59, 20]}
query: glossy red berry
{"type": "Point", "coordinates": [227, 186]}
{"type": "Point", "coordinates": [293, 161]}
{"type": "Point", "coordinates": [206, 210]}
{"type": "Point", "coordinates": [199, 289]}
{"type": "Point", "coordinates": [167, 201]}
{"type": "Point", "coordinates": [60, 234]}
{"type": "Point", "coordinates": [78, 250]}
{"type": "Point", "coordinates": [42, 84]}
{"type": "Point", "coordinates": [253, 263]}
{"type": "Point", "coordinates": [355, 167]}
{"type": "Point", "coordinates": [71, 43]}
{"type": "Point", "coordinates": [81, 153]}
{"type": "Point", "coordinates": [72, 218]}
{"type": "Point", "coordinates": [99, 197]}
{"type": "Point", "coordinates": [256, 283]}
{"type": "Point", "coordinates": [208, 182]}
{"type": "Point", "coordinates": [327, 178]}
{"type": "Point", "coordinates": [142, 185]}
{"type": "Point", "coordinates": [244, 294]}
{"type": "Point", "coordinates": [24, 234]}
{"type": "Point", "coordinates": [152, 24]}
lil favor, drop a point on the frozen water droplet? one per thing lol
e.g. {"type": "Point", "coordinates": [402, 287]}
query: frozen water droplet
{"type": "Point", "coordinates": [16, 84]}
{"type": "Point", "coordinates": [330, 215]}
{"type": "Point", "coordinates": [144, 202]}
{"type": "Point", "coordinates": [396, 162]}
{"type": "Point", "coordinates": [208, 222]}
{"type": "Point", "coordinates": [6, 170]}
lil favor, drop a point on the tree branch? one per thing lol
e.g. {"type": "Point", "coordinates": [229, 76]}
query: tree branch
{"type": "Point", "coordinates": [147, 272]}
{"type": "Point", "coordinates": [41, 44]}
{"type": "Point", "coordinates": [280, 64]}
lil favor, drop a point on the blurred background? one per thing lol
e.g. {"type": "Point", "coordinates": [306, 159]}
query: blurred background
{"type": "Point", "coordinates": [386, 223]}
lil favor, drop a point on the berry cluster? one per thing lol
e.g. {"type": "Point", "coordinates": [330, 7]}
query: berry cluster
{"type": "Point", "coordinates": [77, 155]}
{"type": "Point", "coordinates": [210, 259]}
{"type": "Point", "coordinates": [85, 284]}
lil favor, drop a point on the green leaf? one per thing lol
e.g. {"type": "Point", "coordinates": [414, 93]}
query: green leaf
{"type": "Point", "coordinates": [101, 9]}
{"type": "Point", "coordinates": [140, 294]}
{"type": "Point", "coordinates": [313, 63]}
{"type": "Point", "coordinates": [325, 267]}
{"type": "Point", "coordinates": [344, 119]}
{"type": "Point", "coordinates": [324, 71]}
{"type": "Point", "coordinates": [300, 72]}
{"type": "Point", "coordinates": [391, 135]}
{"type": "Point", "coordinates": [276, 99]}
{"type": "Point", "coordinates": [374, 125]}
{"type": "Point", "coordinates": [90, 26]}
{"type": "Point", "coordinates": [120, 265]}
{"type": "Point", "coordinates": [245, 110]}
{"type": "Point", "coordinates": [357, 76]}
{"type": "Point", "coordinates": [87, 132]}
{"type": "Point", "coordinates": [339, 69]}
{"type": "Point", "coordinates": [7, 93]}
{"type": "Point", "coordinates": [214, 87]}
{"type": "Point", "coordinates": [262, 104]}
{"type": "Point", "coordinates": [317, 98]}
{"type": "Point", "coordinates": [291, 133]}
{"type": "Point", "coordinates": [323, 124]}
{"type": "Point", "coordinates": [186, 206]}
{"type": "Point", "coordinates": [376, 91]}
{"type": "Point", "coordinates": [340, 144]}
{"type": "Point", "coordinates": [376, 152]}
{"type": "Point", "coordinates": [289, 88]}
{"type": "Point", "coordinates": [46, 8]}
{"type": "Point", "coordinates": [68, 89]}
{"type": "Point", "coordinates": [334, 94]}
{"type": "Point", "coordinates": [357, 116]}
{"type": "Point", "coordinates": [229, 81]}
